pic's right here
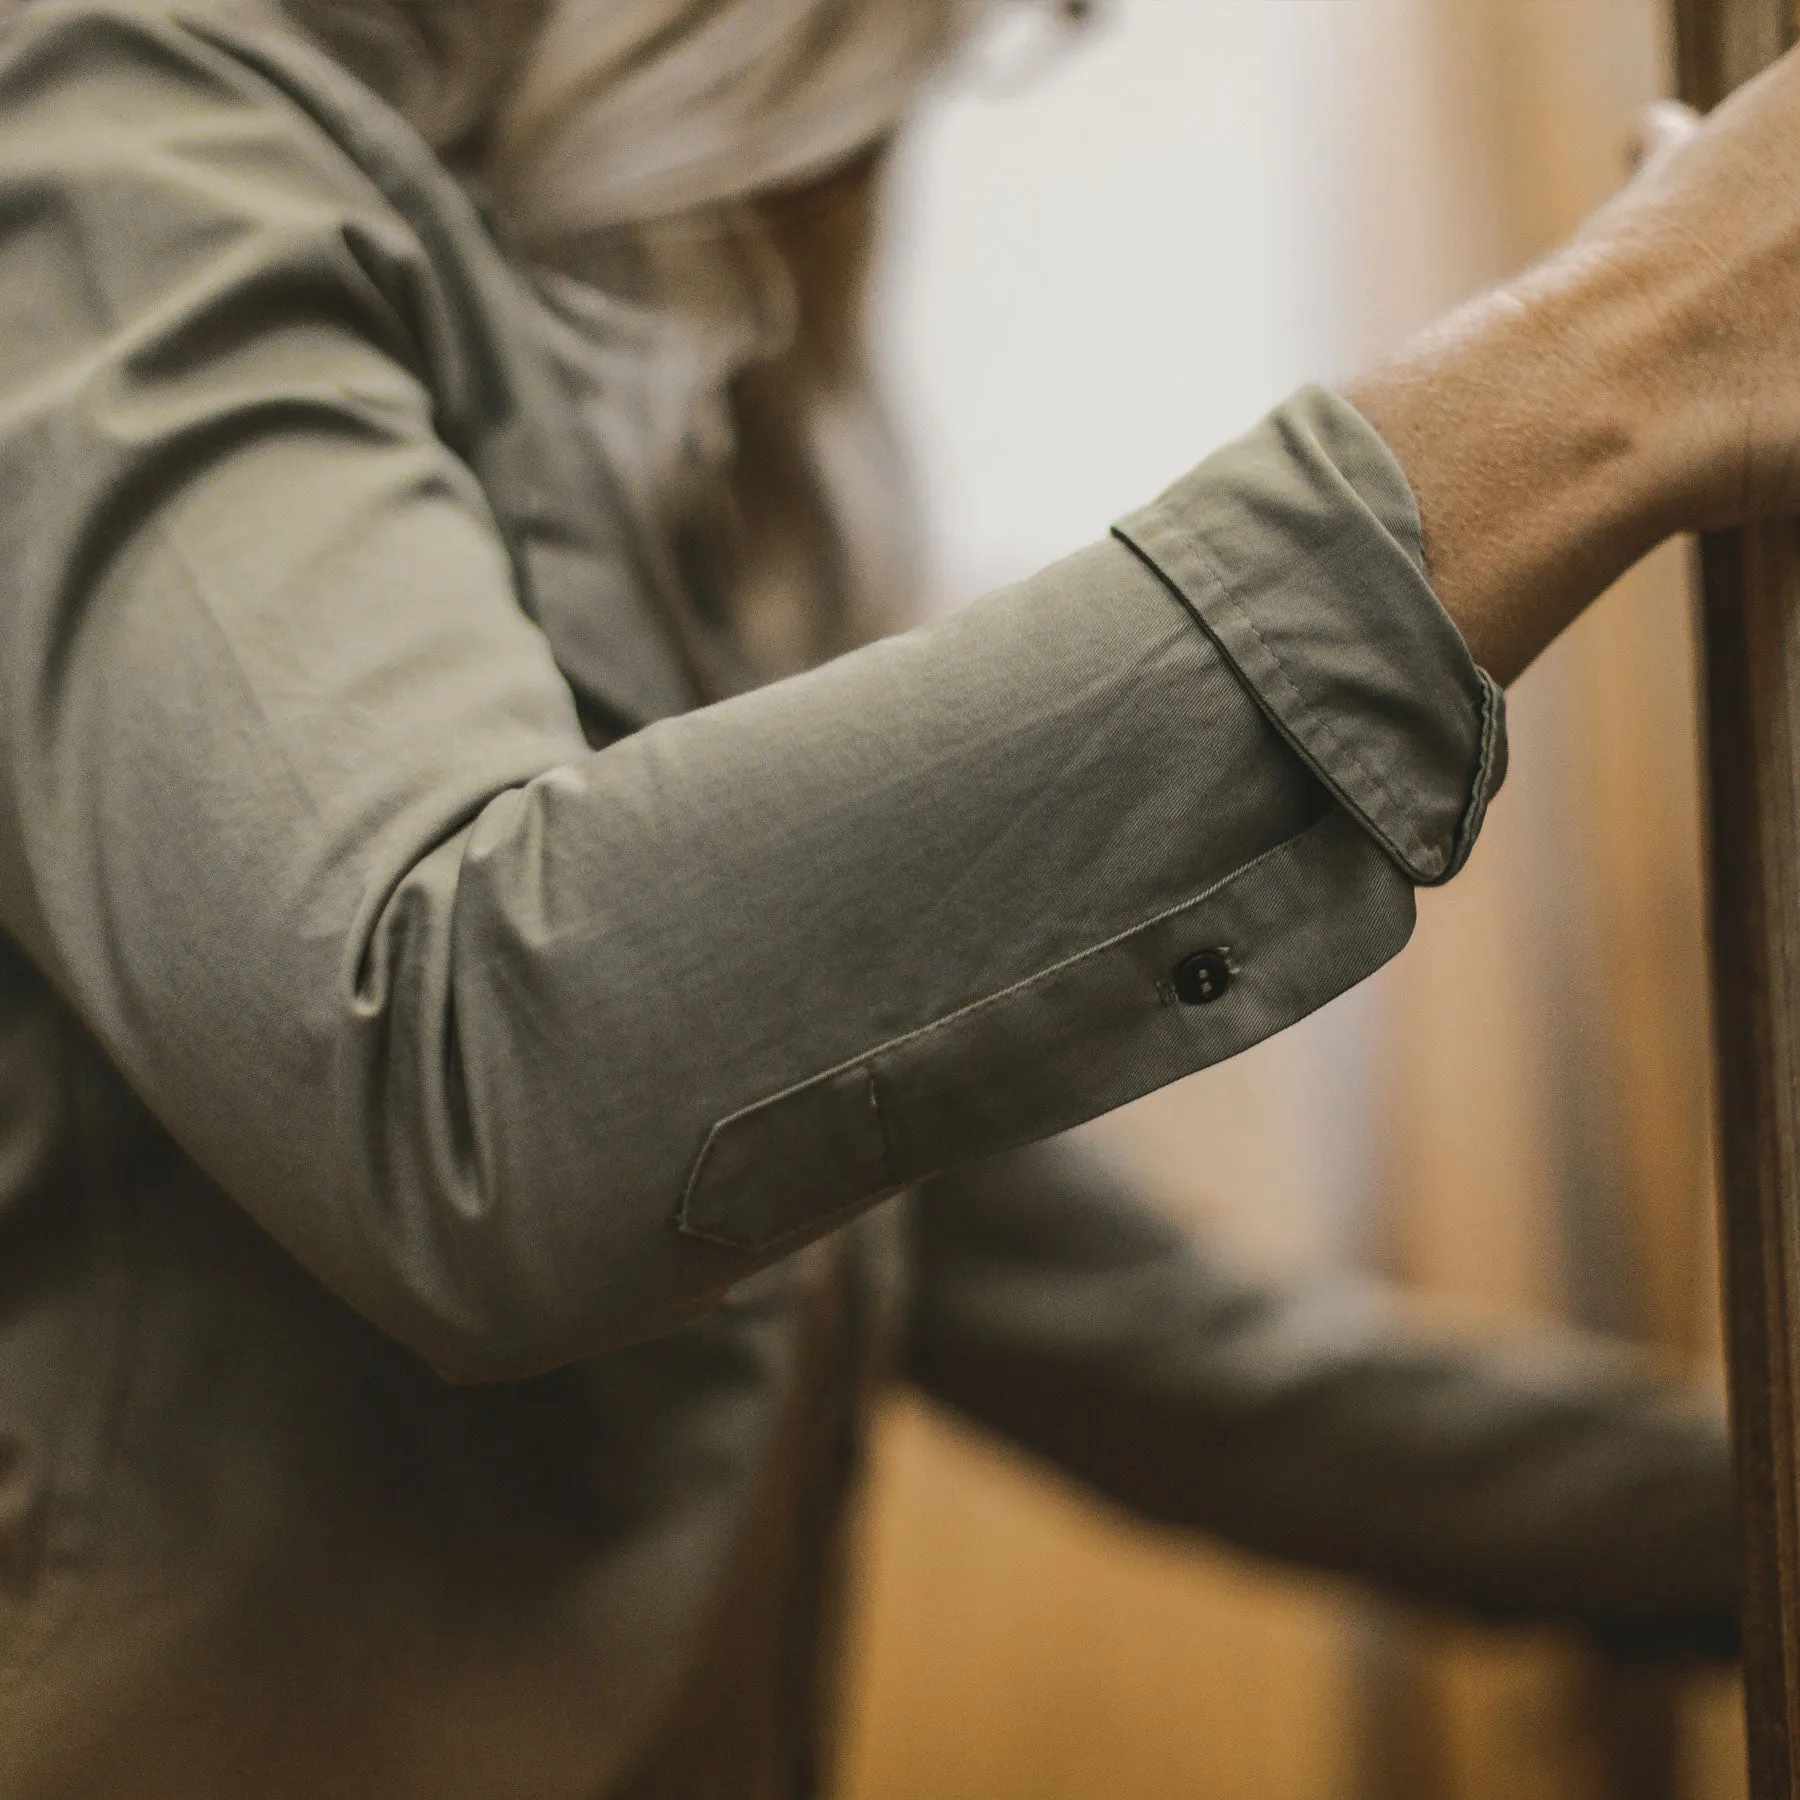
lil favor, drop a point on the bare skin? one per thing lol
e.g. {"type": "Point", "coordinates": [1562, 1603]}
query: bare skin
{"type": "Point", "coordinates": [1643, 381]}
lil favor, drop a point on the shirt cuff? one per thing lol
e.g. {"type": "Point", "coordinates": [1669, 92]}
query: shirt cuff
{"type": "Point", "coordinates": [1299, 551]}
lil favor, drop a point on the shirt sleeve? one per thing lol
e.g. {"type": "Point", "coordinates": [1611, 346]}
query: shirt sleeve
{"type": "Point", "coordinates": [1308, 573]}
{"type": "Point", "coordinates": [1548, 1480]}
{"type": "Point", "coordinates": [527, 1048]}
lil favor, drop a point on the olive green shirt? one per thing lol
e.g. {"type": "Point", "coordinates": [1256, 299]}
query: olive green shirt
{"type": "Point", "coordinates": [439, 1060]}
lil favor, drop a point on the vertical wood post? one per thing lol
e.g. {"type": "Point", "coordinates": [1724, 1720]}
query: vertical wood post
{"type": "Point", "coordinates": [1750, 593]}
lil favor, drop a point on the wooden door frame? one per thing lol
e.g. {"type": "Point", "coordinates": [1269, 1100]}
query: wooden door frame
{"type": "Point", "coordinates": [1750, 612]}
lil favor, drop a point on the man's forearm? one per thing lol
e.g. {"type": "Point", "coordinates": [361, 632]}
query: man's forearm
{"type": "Point", "coordinates": [1530, 451]}
{"type": "Point", "coordinates": [1644, 380]}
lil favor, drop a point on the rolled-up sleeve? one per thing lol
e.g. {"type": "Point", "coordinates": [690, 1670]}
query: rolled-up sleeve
{"type": "Point", "coordinates": [1305, 565]}
{"type": "Point", "coordinates": [526, 1046]}
{"type": "Point", "coordinates": [1298, 552]}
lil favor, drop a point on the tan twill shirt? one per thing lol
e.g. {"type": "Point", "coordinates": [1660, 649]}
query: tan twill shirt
{"type": "Point", "coordinates": [429, 1043]}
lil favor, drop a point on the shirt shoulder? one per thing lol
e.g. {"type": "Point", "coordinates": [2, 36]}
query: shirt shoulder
{"type": "Point", "coordinates": [186, 191]}
{"type": "Point", "coordinates": [223, 85]}
{"type": "Point", "coordinates": [122, 66]}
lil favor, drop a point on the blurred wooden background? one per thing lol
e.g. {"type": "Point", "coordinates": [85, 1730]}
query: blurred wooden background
{"type": "Point", "coordinates": [1514, 1119]}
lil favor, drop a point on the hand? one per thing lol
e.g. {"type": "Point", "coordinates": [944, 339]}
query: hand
{"type": "Point", "coordinates": [1644, 380]}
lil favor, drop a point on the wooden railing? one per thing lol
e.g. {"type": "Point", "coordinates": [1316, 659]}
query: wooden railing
{"type": "Point", "coordinates": [1750, 583]}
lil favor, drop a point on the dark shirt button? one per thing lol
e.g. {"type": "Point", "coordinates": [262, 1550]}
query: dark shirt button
{"type": "Point", "coordinates": [1204, 978]}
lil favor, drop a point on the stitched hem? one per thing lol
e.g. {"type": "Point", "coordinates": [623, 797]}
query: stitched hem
{"type": "Point", "coordinates": [1488, 770]}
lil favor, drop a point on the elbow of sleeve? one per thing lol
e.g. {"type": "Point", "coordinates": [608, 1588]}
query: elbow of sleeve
{"type": "Point", "coordinates": [491, 1357]}
{"type": "Point", "coordinates": [513, 1247]}
{"type": "Point", "coordinates": [487, 1347]}
{"type": "Point", "coordinates": [439, 1291]}
{"type": "Point", "coordinates": [492, 1351]}
{"type": "Point", "coordinates": [481, 1191]}
{"type": "Point", "coordinates": [478, 1318]}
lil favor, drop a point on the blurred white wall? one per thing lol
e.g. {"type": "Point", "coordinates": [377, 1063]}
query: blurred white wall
{"type": "Point", "coordinates": [1100, 273]}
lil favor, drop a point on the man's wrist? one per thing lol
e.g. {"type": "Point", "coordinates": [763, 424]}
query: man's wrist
{"type": "Point", "coordinates": [1527, 426]}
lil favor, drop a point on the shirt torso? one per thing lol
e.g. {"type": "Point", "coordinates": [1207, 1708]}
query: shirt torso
{"type": "Point", "coordinates": [248, 1545]}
